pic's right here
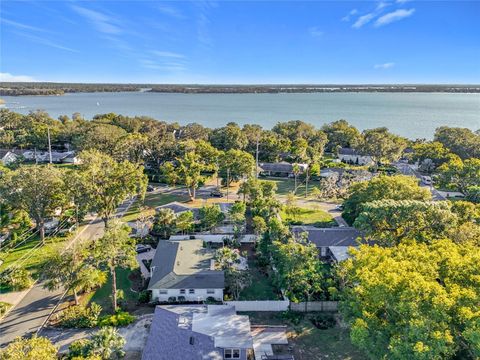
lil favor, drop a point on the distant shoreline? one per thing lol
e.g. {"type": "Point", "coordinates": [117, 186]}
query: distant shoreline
{"type": "Point", "coordinates": [55, 89]}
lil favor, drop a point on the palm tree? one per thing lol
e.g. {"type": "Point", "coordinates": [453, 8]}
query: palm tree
{"type": "Point", "coordinates": [165, 222]}
{"type": "Point", "coordinates": [296, 172]}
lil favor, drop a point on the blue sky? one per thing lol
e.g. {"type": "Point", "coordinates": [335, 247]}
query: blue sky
{"type": "Point", "coordinates": [396, 41]}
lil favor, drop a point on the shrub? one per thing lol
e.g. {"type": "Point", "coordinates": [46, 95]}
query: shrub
{"type": "Point", "coordinates": [120, 318]}
{"type": "Point", "coordinates": [4, 307]}
{"type": "Point", "coordinates": [210, 300]}
{"type": "Point", "coordinates": [79, 349]}
{"type": "Point", "coordinates": [172, 299]}
{"type": "Point", "coordinates": [294, 317]}
{"type": "Point", "coordinates": [79, 316]}
{"type": "Point", "coordinates": [181, 298]}
{"type": "Point", "coordinates": [323, 321]}
{"type": "Point", "coordinates": [18, 279]}
{"type": "Point", "coordinates": [144, 297]}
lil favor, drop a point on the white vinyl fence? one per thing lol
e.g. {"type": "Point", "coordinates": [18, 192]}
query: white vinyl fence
{"type": "Point", "coordinates": [260, 305]}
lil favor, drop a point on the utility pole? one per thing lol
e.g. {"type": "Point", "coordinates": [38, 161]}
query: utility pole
{"type": "Point", "coordinates": [256, 158]}
{"type": "Point", "coordinates": [306, 183]}
{"type": "Point", "coordinates": [49, 145]}
{"type": "Point", "coordinates": [228, 180]}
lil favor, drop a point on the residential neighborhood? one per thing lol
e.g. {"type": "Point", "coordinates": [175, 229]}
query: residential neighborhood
{"type": "Point", "coordinates": [205, 252]}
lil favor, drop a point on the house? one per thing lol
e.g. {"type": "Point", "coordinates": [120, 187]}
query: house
{"type": "Point", "coordinates": [208, 332]}
{"type": "Point", "coordinates": [283, 169]}
{"type": "Point", "coordinates": [332, 243]}
{"type": "Point", "coordinates": [211, 239]}
{"type": "Point", "coordinates": [7, 157]}
{"type": "Point", "coordinates": [185, 270]}
{"type": "Point", "coordinates": [353, 156]}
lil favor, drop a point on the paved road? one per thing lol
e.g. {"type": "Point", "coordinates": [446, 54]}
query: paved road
{"type": "Point", "coordinates": [32, 311]}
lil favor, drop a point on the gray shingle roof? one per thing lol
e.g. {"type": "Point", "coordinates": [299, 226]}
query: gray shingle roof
{"type": "Point", "coordinates": [282, 167]}
{"type": "Point", "coordinates": [330, 236]}
{"type": "Point", "coordinates": [171, 337]}
{"type": "Point", "coordinates": [184, 264]}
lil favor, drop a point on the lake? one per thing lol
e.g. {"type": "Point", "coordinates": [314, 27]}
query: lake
{"type": "Point", "coordinates": [414, 115]}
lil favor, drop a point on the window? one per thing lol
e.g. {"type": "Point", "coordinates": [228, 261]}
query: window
{"type": "Point", "coordinates": [182, 291]}
{"type": "Point", "coordinates": [231, 354]}
{"type": "Point", "coordinates": [210, 291]}
{"type": "Point", "coordinates": [191, 291]}
{"type": "Point", "coordinates": [163, 292]}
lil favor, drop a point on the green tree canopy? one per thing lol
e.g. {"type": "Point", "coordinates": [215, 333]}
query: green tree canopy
{"type": "Point", "coordinates": [388, 222]}
{"type": "Point", "coordinates": [37, 190]}
{"type": "Point", "coordinates": [228, 137]}
{"type": "Point", "coordinates": [115, 249]}
{"type": "Point", "coordinates": [461, 141]}
{"type": "Point", "coordinates": [382, 145]}
{"type": "Point", "coordinates": [397, 187]}
{"type": "Point", "coordinates": [234, 165]}
{"type": "Point", "coordinates": [341, 134]}
{"type": "Point", "coordinates": [71, 270]}
{"type": "Point", "coordinates": [414, 300]}
{"type": "Point", "coordinates": [108, 183]}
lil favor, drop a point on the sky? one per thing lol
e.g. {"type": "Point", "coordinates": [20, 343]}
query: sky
{"type": "Point", "coordinates": [241, 42]}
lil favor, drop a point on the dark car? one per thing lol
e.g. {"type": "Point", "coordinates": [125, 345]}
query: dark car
{"type": "Point", "coordinates": [142, 248]}
{"type": "Point", "coordinates": [150, 188]}
{"type": "Point", "coordinates": [216, 193]}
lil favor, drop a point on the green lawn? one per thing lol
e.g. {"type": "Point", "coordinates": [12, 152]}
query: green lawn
{"type": "Point", "coordinates": [158, 199]}
{"type": "Point", "coordinates": [34, 260]}
{"type": "Point", "coordinates": [102, 295]}
{"type": "Point", "coordinates": [261, 287]}
{"type": "Point", "coordinates": [287, 185]}
{"type": "Point", "coordinates": [312, 217]}
{"type": "Point", "coordinates": [310, 343]}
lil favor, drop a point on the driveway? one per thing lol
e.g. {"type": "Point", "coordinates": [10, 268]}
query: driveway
{"type": "Point", "coordinates": [30, 314]}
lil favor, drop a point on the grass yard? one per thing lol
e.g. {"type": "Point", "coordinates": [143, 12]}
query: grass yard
{"type": "Point", "coordinates": [102, 295]}
{"type": "Point", "coordinates": [310, 216]}
{"type": "Point", "coordinates": [33, 261]}
{"type": "Point", "coordinates": [157, 199]}
{"type": "Point", "coordinates": [287, 185]}
{"type": "Point", "coordinates": [310, 343]}
{"type": "Point", "coordinates": [261, 287]}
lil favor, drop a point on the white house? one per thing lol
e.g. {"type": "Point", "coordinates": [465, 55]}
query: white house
{"type": "Point", "coordinates": [185, 269]}
{"type": "Point", "coordinates": [7, 157]}
{"type": "Point", "coordinates": [352, 156]}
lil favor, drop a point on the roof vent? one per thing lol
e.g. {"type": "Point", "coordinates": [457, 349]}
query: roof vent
{"type": "Point", "coordinates": [192, 340]}
{"type": "Point", "coordinates": [178, 263]}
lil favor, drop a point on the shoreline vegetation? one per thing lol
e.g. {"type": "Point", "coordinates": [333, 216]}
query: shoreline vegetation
{"type": "Point", "coordinates": [54, 89]}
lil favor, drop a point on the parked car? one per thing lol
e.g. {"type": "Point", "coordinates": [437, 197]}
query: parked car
{"type": "Point", "coordinates": [427, 180]}
{"type": "Point", "coordinates": [140, 248]}
{"type": "Point", "coordinates": [150, 188]}
{"type": "Point", "coordinates": [216, 193]}
{"type": "Point", "coordinates": [339, 207]}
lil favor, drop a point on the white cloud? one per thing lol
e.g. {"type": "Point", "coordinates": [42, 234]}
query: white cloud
{"type": "Point", "coordinates": [388, 65]}
{"type": "Point", "coordinates": [102, 22]}
{"type": "Point", "coordinates": [349, 15]}
{"type": "Point", "coordinates": [393, 16]}
{"type": "Point", "coordinates": [168, 54]}
{"type": "Point", "coordinates": [315, 31]}
{"type": "Point", "coordinates": [7, 77]}
{"type": "Point", "coordinates": [170, 11]}
{"type": "Point", "coordinates": [363, 20]}
{"type": "Point", "coordinates": [21, 26]}
{"type": "Point", "coordinates": [44, 41]}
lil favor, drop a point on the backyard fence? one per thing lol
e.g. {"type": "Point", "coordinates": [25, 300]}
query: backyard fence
{"type": "Point", "coordinates": [314, 306]}
{"type": "Point", "coordinates": [260, 305]}
{"type": "Point", "coordinates": [283, 305]}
